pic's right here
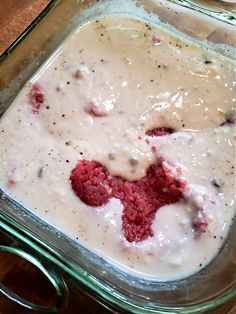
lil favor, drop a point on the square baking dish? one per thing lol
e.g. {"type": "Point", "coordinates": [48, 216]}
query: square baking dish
{"type": "Point", "coordinates": [210, 28]}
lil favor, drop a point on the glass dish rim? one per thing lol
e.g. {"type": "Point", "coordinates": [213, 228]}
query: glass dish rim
{"type": "Point", "coordinates": [111, 296]}
{"type": "Point", "coordinates": [223, 15]}
{"type": "Point", "coordinates": [53, 3]}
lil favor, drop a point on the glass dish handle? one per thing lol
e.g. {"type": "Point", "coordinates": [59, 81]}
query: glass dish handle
{"type": "Point", "coordinates": [57, 283]}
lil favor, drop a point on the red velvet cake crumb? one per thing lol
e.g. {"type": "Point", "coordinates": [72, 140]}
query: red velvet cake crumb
{"type": "Point", "coordinates": [200, 225]}
{"type": "Point", "coordinates": [93, 184]}
{"type": "Point", "coordinates": [11, 182]}
{"type": "Point", "coordinates": [89, 180]}
{"type": "Point", "coordinates": [156, 40]}
{"type": "Point", "coordinates": [36, 97]}
{"type": "Point", "coordinates": [160, 131]}
{"type": "Point", "coordinates": [93, 110]}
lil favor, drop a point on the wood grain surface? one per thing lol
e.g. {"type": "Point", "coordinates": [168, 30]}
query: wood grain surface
{"type": "Point", "coordinates": [15, 16]}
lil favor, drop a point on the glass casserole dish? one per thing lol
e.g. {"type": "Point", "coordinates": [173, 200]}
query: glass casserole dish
{"type": "Point", "coordinates": [113, 285]}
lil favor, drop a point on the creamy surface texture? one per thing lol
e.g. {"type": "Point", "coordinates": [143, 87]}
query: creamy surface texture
{"type": "Point", "coordinates": [109, 83]}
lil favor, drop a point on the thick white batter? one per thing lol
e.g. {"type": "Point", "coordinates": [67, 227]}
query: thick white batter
{"type": "Point", "coordinates": [136, 77]}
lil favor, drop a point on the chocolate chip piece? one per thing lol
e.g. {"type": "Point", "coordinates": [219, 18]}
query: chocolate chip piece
{"type": "Point", "coordinates": [230, 118]}
{"type": "Point", "coordinates": [133, 162]}
{"type": "Point", "coordinates": [40, 172]}
{"type": "Point", "coordinates": [78, 74]}
{"type": "Point", "coordinates": [111, 156]}
{"type": "Point", "coordinates": [58, 89]}
{"type": "Point", "coordinates": [217, 182]}
{"type": "Point", "coordinates": [208, 62]}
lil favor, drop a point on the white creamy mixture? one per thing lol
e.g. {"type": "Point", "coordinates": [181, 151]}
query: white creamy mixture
{"type": "Point", "coordinates": [136, 77]}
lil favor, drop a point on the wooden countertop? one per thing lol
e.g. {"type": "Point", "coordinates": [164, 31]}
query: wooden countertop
{"type": "Point", "coordinates": [15, 16]}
